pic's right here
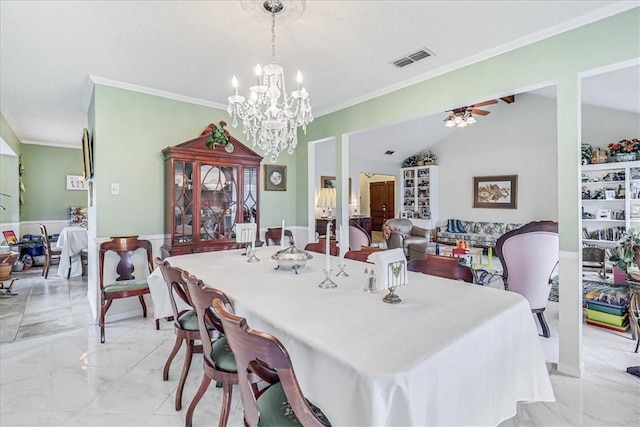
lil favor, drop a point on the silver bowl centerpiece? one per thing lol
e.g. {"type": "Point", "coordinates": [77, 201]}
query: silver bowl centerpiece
{"type": "Point", "coordinates": [291, 258]}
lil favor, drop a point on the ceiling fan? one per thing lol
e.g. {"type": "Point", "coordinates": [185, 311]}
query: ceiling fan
{"type": "Point", "coordinates": [463, 116]}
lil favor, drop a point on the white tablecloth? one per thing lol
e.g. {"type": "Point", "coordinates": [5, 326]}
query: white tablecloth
{"type": "Point", "coordinates": [451, 353]}
{"type": "Point", "coordinates": [72, 241]}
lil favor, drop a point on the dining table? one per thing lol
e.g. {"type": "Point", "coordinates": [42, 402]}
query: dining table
{"type": "Point", "coordinates": [72, 240]}
{"type": "Point", "coordinates": [450, 353]}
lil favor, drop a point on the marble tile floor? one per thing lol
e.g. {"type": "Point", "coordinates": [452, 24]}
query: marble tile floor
{"type": "Point", "coordinates": [66, 377]}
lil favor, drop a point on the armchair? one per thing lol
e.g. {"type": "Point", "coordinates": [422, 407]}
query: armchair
{"type": "Point", "coordinates": [400, 233]}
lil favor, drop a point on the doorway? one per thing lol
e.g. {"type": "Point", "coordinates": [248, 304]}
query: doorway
{"type": "Point", "coordinates": [381, 202]}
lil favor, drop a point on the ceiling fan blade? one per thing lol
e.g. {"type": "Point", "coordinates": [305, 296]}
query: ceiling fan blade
{"type": "Point", "coordinates": [482, 104]}
{"type": "Point", "coordinates": [479, 112]}
{"type": "Point", "coordinates": [509, 99]}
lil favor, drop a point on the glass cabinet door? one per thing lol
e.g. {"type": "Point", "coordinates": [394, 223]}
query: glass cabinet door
{"type": "Point", "coordinates": [249, 194]}
{"type": "Point", "coordinates": [218, 201]}
{"type": "Point", "coordinates": [183, 202]}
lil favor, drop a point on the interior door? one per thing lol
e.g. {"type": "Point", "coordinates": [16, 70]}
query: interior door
{"type": "Point", "coordinates": [382, 205]}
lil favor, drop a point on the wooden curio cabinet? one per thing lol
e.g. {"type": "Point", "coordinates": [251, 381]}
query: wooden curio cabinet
{"type": "Point", "coordinates": [206, 193]}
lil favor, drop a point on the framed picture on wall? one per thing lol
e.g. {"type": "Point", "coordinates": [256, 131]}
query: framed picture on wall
{"type": "Point", "coordinates": [495, 192]}
{"type": "Point", "coordinates": [87, 154]}
{"type": "Point", "coordinates": [275, 177]}
{"type": "Point", "coordinates": [331, 182]}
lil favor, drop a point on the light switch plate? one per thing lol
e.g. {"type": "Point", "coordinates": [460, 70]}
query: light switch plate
{"type": "Point", "coordinates": [115, 188]}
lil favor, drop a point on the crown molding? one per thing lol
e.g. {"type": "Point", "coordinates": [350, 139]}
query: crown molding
{"type": "Point", "coordinates": [52, 144]}
{"type": "Point", "coordinates": [546, 33]}
{"type": "Point", "coordinates": [94, 80]}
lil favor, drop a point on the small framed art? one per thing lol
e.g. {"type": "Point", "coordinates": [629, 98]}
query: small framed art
{"type": "Point", "coordinates": [495, 192]}
{"type": "Point", "coordinates": [275, 177]}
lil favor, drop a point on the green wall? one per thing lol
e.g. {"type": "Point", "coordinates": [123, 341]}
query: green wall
{"type": "Point", "coordinates": [556, 59]}
{"type": "Point", "coordinates": [45, 180]}
{"type": "Point", "coordinates": [130, 130]}
{"type": "Point", "coordinates": [9, 175]}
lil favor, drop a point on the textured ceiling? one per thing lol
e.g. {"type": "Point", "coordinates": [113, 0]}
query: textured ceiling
{"type": "Point", "coordinates": [48, 49]}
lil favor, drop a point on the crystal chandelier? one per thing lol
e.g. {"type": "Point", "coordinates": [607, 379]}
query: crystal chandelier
{"type": "Point", "coordinates": [270, 117]}
{"type": "Point", "coordinates": [460, 117]}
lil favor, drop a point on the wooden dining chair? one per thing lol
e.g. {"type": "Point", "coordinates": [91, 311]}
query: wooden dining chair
{"type": "Point", "coordinates": [282, 401]}
{"type": "Point", "coordinates": [320, 247]}
{"type": "Point", "coordinates": [442, 266]}
{"type": "Point", "coordinates": [125, 285]}
{"type": "Point", "coordinates": [50, 254]}
{"type": "Point", "coordinates": [274, 235]}
{"type": "Point", "coordinates": [218, 361]}
{"type": "Point", "coordinates": [362, 254]}
{"type": "Point", "coordinates": [185, 324]}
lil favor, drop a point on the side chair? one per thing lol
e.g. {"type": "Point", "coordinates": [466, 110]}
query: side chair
{"type": "Point", "coordinates": [442, 266]}
{"type": "Point", "coordinates": [218, 361]}
{"type": "Point", "coordinates": [50, 254]}
{"type": "Point", "coordinates": [125, 285]}
{"type": "Point", "coordinates": [282, 402]}
{"type": "Point", "coordinates": [185, 325]}
{"type": "Point", "coordinates": [320, 247]}
{"type": "Point", "coordinates": [529, 255]}
{"type": "Point", "coordinates": [274, 235]}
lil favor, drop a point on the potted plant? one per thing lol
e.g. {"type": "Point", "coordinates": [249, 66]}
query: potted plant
{"type": "Point", "coordinates": [627, 250]}
{"type": "Point", "coordinates": [624, 150]}
{"type": "Point", "coordinates": [219, 136]}
{"type": "Point", "coordinates": [429, 158]}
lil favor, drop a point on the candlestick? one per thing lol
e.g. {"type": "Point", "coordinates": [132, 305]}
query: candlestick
{"type": "Point", "coordinates": [282, 236]}
{"type": "Point", "coordinates": [327, 249]}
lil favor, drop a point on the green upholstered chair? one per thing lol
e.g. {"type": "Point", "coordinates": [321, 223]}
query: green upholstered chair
{"type": "Point", "coordinates": [125, 285]}
{"type": "Point", "coordinates": [219, 362]}
{"type": "Point", "coordinates": [185, 323]}
{"type": "Point", "coordinates": [282, 403]}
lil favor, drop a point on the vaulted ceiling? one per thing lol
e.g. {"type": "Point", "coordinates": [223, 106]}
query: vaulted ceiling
{"type": "Point", "coordinates": [190, 50]}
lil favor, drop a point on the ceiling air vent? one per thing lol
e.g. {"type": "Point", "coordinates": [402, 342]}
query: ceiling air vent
{"type": "Point", "coordinates": [389, 152]}
{"type": "Point", "coordinates": [412, 58]}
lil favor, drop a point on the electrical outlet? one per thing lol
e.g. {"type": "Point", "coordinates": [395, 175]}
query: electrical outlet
{"type": "Point", "coordinates": [115, 188]}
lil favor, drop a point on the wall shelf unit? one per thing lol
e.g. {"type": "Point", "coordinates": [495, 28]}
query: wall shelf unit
{"type": "Point", "coordinates": [418, 197]}
{"type": "Point", "coordinates": [610, 201]}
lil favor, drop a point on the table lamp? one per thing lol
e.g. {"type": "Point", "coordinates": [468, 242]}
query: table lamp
{"type": "Point", "coordinates": [327, 200]}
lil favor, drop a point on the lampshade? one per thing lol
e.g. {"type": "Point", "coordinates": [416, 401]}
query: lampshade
{"type": "Point", "coordinates": [327, 198]}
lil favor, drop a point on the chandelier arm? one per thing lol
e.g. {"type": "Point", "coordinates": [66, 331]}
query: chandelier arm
{"type": "Point", "coordinates": [273, 32]}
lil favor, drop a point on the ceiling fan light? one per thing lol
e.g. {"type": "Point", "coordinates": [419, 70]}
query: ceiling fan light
{"type": "Point", "coordinates": [462, 124]}
{"type": "Point", "coordinates": [449, 123]}
{"type": "Point", "coordinates": [470, 120]}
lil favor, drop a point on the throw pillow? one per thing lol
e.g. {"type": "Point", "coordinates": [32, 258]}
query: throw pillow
{"type": "Point", "coordinates": [451, 226]}
{"type": "Point", "coordinates": [460, 227]}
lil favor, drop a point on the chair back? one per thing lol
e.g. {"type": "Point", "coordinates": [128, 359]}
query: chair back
{"type": "Point", "coordinates": [358, 238]}
{"type": "Point", "coordinates": [320, 247]}
{"type": "Point", "coordinates": [442, 266]}
{"type": "Point", "coordinates": [529, 255]}
{"type": "Point", "coordinates": [274, 235]}
{"type": "Point", "coordinates": [253, 350]}
{"type": "Point", "coordinates": [402, 225]}
{"type": "Point", "coordinates": [200, 297]}
{"type": "Point", "coordinates": [45, 238]}
{"type": "Point", "coordinates": [124, 247]}
{"type": "Point", "coordinates": [362, 254]}
{"type": "Point", "coordinates": [175, 285]}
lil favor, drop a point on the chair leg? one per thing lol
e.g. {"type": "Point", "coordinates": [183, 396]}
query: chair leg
{"type": "Point", "coordinates": [144, 306]}
{"type": "Point", "coordinates": [227, 389]}
{"type": "Point", "coordinates": [69, 271]}
{"type": "Point", "coordinates": [47, 263]}
{"type": "Point", "coordinates": [204, 385]}
{"type": "Point", "coordinates": [185, 372]}
{"type": "Point", "coordinates": [543, 324]}
{"type": "Point", "coordinates": [103, 311]}
{"type": "Point", "coordinates": [174, 351]}
{"type": "Point", "coordinates": [157, 324]}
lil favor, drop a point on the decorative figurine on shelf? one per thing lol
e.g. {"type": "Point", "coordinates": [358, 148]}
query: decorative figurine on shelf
{"type": "Point", "coordinates": [219, 136]}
